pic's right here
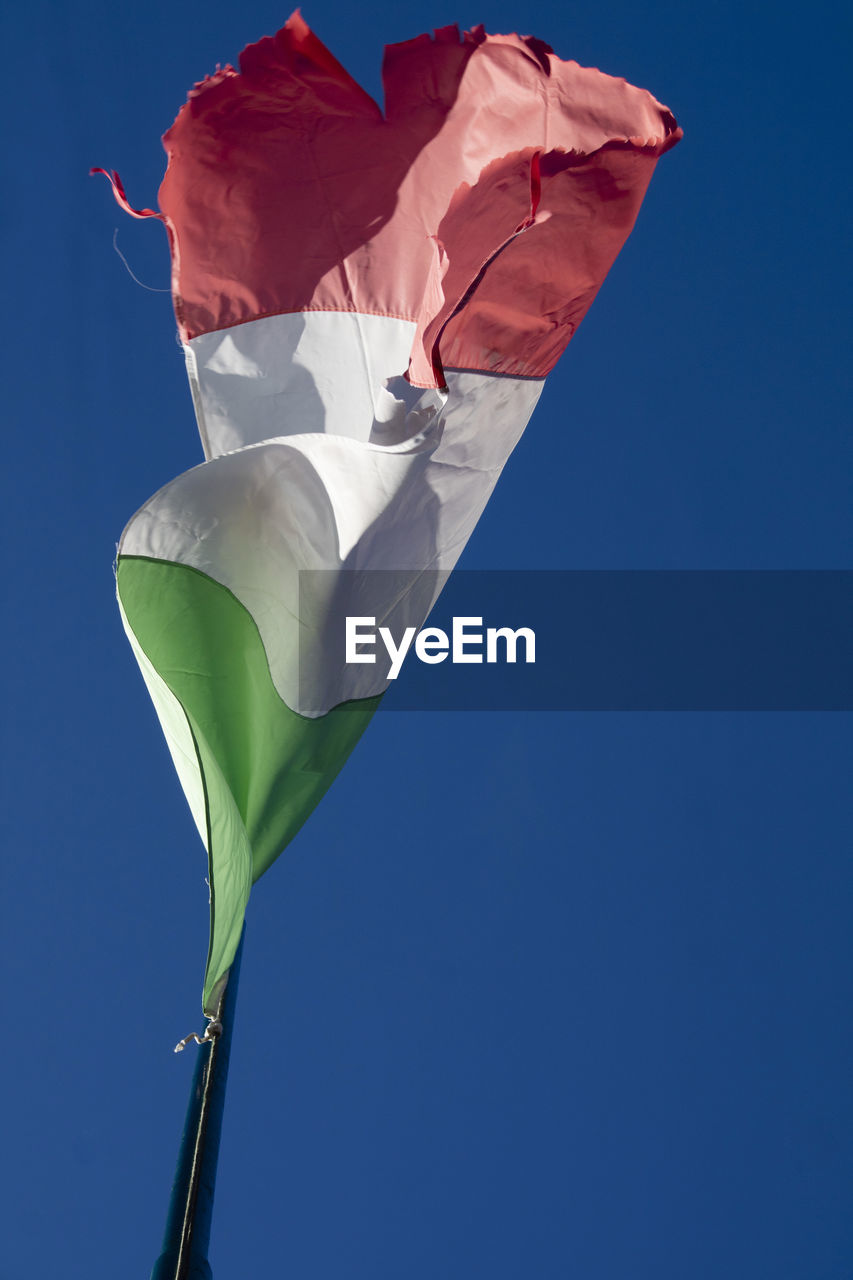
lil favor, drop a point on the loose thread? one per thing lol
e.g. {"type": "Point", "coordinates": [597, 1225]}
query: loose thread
{"type": "Point", "coordinates": [130, 272]}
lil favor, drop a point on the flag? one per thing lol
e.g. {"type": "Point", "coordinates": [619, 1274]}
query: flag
{"type": "Point", "coordinates": [369, 303]}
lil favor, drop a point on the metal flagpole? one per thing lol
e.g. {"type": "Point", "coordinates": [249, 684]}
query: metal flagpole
{"type": "Point", "coordinates": [187, 1233]}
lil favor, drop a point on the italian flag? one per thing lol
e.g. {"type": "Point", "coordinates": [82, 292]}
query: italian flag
{"type": "Point", "coordinates": [369, 304]}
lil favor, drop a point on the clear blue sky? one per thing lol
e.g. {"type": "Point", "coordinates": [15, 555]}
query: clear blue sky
{"type": "Point", "coordinates": [531, 996]}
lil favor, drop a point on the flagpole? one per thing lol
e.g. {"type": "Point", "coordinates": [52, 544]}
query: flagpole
{"type": "Point", "coordinates": [187, 1233]}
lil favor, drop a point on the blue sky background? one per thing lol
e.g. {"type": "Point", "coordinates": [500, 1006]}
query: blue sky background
{"type": "Point", "coordinates": [532, 995]}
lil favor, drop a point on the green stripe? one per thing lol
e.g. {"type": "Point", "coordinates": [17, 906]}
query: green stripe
{"type": "Point", "coordinates": [264, 767]}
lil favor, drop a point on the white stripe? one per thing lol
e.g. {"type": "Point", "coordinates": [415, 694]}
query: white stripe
{"type": "Point", "coordinates": [176, 731]}
{"type": "Point", "coordinates": [293, 374]}
{"type": "Point", "coordinates": [255, 519]}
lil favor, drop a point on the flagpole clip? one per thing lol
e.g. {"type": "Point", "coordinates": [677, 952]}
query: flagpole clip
{"type": "Point", "coordinates": [211, 1032]}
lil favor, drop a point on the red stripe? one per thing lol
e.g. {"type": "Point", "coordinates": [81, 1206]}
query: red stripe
{"type": "Point", "coordinates": [288, 190]}
{"type": "Point", "coordinates": [532, 296]}
{"type": "Point", "coordinates": [121, 199]}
